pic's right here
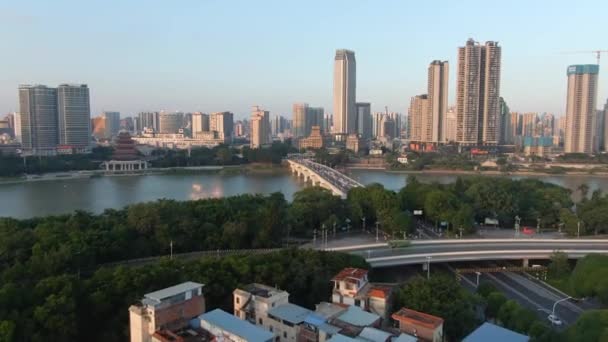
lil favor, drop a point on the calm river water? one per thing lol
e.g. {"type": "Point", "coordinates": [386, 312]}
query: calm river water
{"type": "Point", "coordinates": [29, 199]}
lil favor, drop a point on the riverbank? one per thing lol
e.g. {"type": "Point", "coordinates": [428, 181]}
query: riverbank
{"type": "Point", "coordinates": [185, 170]}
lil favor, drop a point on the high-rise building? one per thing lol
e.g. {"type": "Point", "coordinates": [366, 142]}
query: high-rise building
{"type": "Point", "coordinates": [314, 117]}
{"type": "Point", "coordinates": [581, 108]}
{"type": "Point", "coordinates": [10, 119]}
{"type": "Point", "coordinates": [38, 112]}
{"type": "Point", "coordinates": [515, 128]}
{"type": "Point", "coordinates": [477, 94]}
{"type": "Point", "coordinates": [127, 124]}
{"type": "Point", "coordinates": [396, 119]}
{"type": "Point", "coordinates": [223, 124]}
{"type": "Point", "coordinates": [387, 127]}
{"type": "Point", "coordinates": [418, 118]}
{"type": "Point", "coordinates": [376, 119]}
{"type": "Point", "coordinates": [112, 123]}
{"type": "Point", "coordinates": [260, 127]}
{"type": "Point", "coordinates": [449, 129]}
{"type": "Point", "coordinates": [148, 120]}
{"type": "Point", "coordinates": [98, 127]}
{"type": "Point", "coordinates": [437, 100]}
{"type": "Point", "coordinates": [600, 124]}
{"type": "Point", "coordinates": [200, 122]}
{"type": "Point", "coordinates": [74, 115]}
{"type": "Point", "coordinates": [528, 124]}
{"type": "Point", "coordinates": [344, 92]}
{"type": "Point", "coordinates": [605, 139]}
{"type": "Point", "coordinates": [364, 120]}
{"type": "Point", "coordinates": [299, 129]}
{"type": "Point", "coordinates": [505, 122]}
{"type": "Point", "coordinates": [170, 122]}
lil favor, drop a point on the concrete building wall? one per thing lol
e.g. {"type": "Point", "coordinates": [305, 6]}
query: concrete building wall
{"type": "Point", "coordinates": [438, 75]}
{"type": "Point", "coordinates": [38, 113]}
{"type": "Point", "coordinates": [344, 92]}
{"type": "Point", "coordinates": [580, 108]}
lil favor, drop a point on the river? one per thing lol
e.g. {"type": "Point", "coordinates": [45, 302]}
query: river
{"type": "Point", "coordinates": [29, 199]}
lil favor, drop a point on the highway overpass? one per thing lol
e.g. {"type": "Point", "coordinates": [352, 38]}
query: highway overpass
{"type": "Point", "coordinates": [322, 176]}
{"type": "Point", "coordinates": [419, 252]}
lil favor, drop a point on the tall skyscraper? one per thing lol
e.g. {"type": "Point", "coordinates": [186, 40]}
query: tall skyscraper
{"type": "Point", "coordinates": [364, 120]}
{"type": "Point", "coordinates": [477, 94]}
{"type": "Point", "coordinates": [112, 123]}
{"type": "Point", "coordinates": [528, 124]}
{"type": "Point", "coordinates": [345, 84]}
{"type": "Point", "coordinates": [418, 118]}
{"type": "Point", "coordinates": [260, 127]}
{"type": "Point", "coordinates": [581, 108]}
{"type": "Point", "coordinates": [449, 129]}
{"type": "Point", "coordinates": [314, 117]}
{"type": "Point", "coordinates": [170, 122]}
{"type": "Point", "coordinates": [74, 115]}
{"type": "Point", "coordinates": [223, 124]}
{"type": "Point", "coordinates": [200, 122]}
{"type": "Point", "coordinates": [437, 100]}
{"type": "Point", "coordinates": [605, 126]}
{"type": "Point", "coordinates": [299, 129]}
{"type": "Point", "coordinates": [148, 120]}
{"type": "Point", "coordinates": [505, 121]}
{"type": "Point", "coordinates": [38, 112]}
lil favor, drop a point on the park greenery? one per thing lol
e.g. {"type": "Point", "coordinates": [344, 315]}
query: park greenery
{"type": "Point", "coordinates": [441, 295]}
{"type": "Point", "coordinates": [14, 166]}
{"type": "Point", "coordinates": [220, 155]}
{"type": "Point", "coordinates": [67, 306]}
{"type": "Point", "coordinates": [511, 315]}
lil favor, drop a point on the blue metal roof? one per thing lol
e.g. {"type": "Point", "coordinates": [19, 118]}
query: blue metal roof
{"type": "Point", "coordinates": [236, 326]}
{"type": "Point", "coordinates": [494, 333]}
{"type": "Point", "coordinates": [290, 312]}
{"type": "Point", "coordinates": [341, 338]}
{"type": "Point", "coordinates": [173, 290]}
{"type": "Point", "coordinates": [580, 69]}
{"type": "Point", "coordinates": [373, 334]}
{"type": "Point", "coordinates": [357, 317]}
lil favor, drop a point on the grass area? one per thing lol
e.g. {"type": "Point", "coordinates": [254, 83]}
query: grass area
{"type": "Point", "coordinates": [562, 284]}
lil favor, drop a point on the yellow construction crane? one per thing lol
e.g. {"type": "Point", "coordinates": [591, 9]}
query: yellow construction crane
{"type": "Point", "coordinates": [596, 52]}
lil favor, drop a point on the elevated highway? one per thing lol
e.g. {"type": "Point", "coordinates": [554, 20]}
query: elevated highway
{"type": "Point", "coordinates": [434, 251]}
{"type": "Point", "coordinates": [322, 175]}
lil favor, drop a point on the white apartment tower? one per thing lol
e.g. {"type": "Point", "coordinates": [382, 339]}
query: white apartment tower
{"type": "Point", "coordinates": [478, 93]}
{"type": "Point", "coordinates": [581, 108]}
{"type": "Point", "coordinates": [74, 115]}
{"type": "Point", "coordinates": [260, 127]}
{"type": "Point", "coordinates": [437, 101]}
{"type": "Point", "coordinates": [344, 93]}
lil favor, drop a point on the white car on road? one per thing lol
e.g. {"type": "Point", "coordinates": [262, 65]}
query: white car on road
{"type": "Point", "coordinates": [554, 320]}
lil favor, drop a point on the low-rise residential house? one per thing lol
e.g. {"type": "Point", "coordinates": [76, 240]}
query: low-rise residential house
{"type": "Point", "coordinates": [166, 309]}
{"type": "Point", "coordinates": [269, 307]}
{"type": "Point", "coordinates": [226, 327]}
{"type": "Point", "coordinates": [427, 328]}
{"type": "Point", "coordinates": [352, 287]}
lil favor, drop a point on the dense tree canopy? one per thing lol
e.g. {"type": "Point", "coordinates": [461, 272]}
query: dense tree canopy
{"type": "Point", "coordinates": [441, 295]}
{"type": "Point", "coordinates": [66, 307]}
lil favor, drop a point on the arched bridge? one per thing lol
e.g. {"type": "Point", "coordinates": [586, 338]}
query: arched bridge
{"type": "Point", "coordinates": [323, 176]}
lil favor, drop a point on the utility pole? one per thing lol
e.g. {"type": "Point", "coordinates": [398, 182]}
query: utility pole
{"type": "Point", "coordinates": [377, 224]}
{"type": "Point", "coordinates": [171, 248]}
{"type": "Point", "coordinates": [428, 267]}
{"type": "Point", "coordinates": [363, 219]}
{"type": "Point", "coordinates": [578, 229]}
{"type": "Point", "coordinates": [517, 219]}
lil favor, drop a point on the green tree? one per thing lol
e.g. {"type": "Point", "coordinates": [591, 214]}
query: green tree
{"type": "Point", "coordinates": [559, 267]}
{"type": "Point", "coordinates": [441, 295]}
{"type": "Point", "coordinates": [495, 301]}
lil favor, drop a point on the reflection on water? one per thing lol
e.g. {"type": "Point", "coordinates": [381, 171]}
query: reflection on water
{"type": "Point", "coordinates": [96, 194]}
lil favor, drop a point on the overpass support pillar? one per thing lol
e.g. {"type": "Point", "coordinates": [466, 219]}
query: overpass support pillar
{"type": "Point", "coordinates": [526, 263]}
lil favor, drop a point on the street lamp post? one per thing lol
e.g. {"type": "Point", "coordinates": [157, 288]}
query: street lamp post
{"type": "Point", "coordinates": [377, 223]}
{"type": "Point", "coordinates": [363, 219]}
{"type": "Point", "coordinates": [428, 267]}
{"type": "Point", "coordinates": [578, 229]}
{"type": "Point", "coordinates": [555, 305]}
{"type": "Point", "coordinates": [517, 220]}
{"type": "Point", "coordinates": [478, 274]}
{"type": "Point", "coordinates": [314, 237]}
{"type": "Point", "coordinates": [538, 225]}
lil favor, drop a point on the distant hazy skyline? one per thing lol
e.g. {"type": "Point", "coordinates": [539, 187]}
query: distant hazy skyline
{"type": "Point", "coordinates": [217, 55]}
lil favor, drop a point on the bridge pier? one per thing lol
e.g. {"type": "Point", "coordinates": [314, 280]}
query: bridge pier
{"type": "Point", "coordinates": [526, 262]}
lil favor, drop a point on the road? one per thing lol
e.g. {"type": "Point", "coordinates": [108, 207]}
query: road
{"type": "Point", "coordinates": [532, 294]}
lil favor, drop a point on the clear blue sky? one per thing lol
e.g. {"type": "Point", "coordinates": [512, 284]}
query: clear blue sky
{"type": "Point", "coordinates": [229, 55]}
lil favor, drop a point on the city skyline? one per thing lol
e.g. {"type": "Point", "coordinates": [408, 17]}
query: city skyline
{"type": "Point", "coordinates": [389, 74]}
